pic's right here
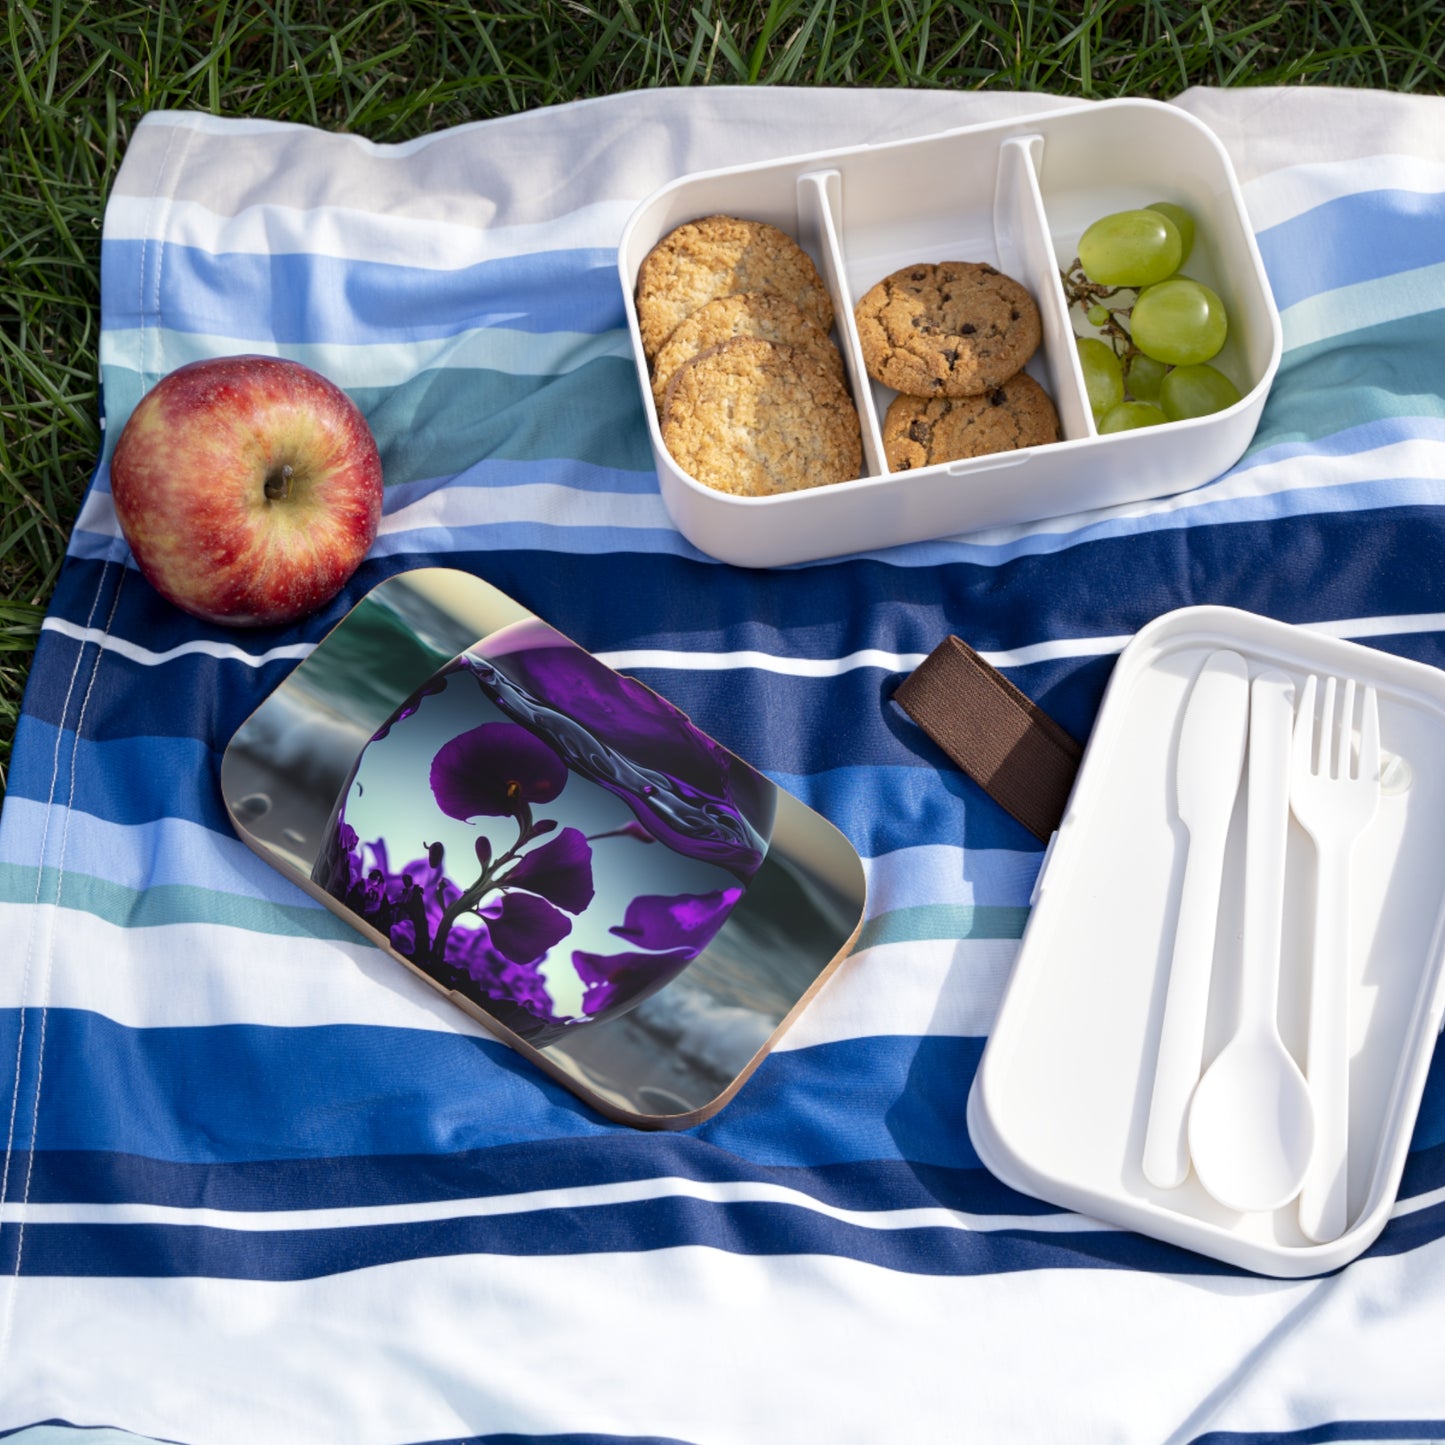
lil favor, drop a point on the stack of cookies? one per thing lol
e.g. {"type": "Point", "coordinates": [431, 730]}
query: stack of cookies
{"type": "Point", "coordinates": [952, 338]}
{"type": "Point", "coordinates": [748, 384]}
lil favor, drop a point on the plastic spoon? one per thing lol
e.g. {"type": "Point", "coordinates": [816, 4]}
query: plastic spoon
{"type": "Point", "coordinates": [1251, 1122]}
{"type": "Point", "coordinates": [1211, 755]}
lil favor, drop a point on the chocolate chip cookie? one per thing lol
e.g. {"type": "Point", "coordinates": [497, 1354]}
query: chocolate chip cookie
{"type": "Point", "coordinates": [717, 256]}
{"type": "Point", "coordinates": [753, 418]}
{"type": "Point", "coordinates": [955, 328]}
{"type": "Point", "coordinates": [749, 313]}
{"type": "Point", "coordinates": [918, 432]}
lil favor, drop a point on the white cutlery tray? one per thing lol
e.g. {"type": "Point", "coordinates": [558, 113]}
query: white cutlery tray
{"type": "Point", "coordinates": [1060, 1104]}
{"type": "Point", "coordinates": [1017, 195]}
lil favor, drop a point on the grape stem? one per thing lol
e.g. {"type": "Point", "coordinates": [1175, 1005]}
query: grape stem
{"type": "Point", "coordinates": [1086, 295]}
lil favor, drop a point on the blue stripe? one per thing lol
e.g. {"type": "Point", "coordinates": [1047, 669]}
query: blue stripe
{"type": "Point", "coordinates": [1378, 563]}
{"type": "Point", "coordinates": [755, 1229]}
{"type": "Point", "coordinates": [145, 779]}
{"type": "Point", "coordinates": [96, 1177]}
{"type": "Point", "coordinates": [235, 1092]}
{"type": "Point", "coordinates": [1350, 239]}
{"type": "Point", "coordinates": [55, 1431]}
{"type": "Point", "coordinates": [1417, 1432]}
{"type": "Point", "coordinates": [241, 1092]}
{"type": "Point", "coordinates": [161, 854]}
{"type": "Point", "coordinates": [299, 297]}
{"type": "Point", "coordinates": [126, 780]}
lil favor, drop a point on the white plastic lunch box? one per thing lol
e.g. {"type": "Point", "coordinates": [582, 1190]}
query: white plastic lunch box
{"type": "Point", "coordinates": [1061, 1102]}
{"type": "Point", "coordinates": [1016, 195]}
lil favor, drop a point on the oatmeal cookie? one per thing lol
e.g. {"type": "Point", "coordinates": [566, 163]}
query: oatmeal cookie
{"type": "Point", "coordinates": [753, 418]}
{"type": "Point", "coordinates": [717, 256]}
{"type": "Point", "coordinates": [955, 328]}
{"type": "Point", "coordinates": [918, 432]}
{"type": "Point", "coordinates": [748, 313]}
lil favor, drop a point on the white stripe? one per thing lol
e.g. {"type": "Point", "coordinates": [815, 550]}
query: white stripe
{"type": "Point", "coordinates": [354, 366]}
{"type": "Point", "coordinates": [359, 235]}
{"type": "Point", "coordinates": [934, 988]}
{"type": "Point", "coordinates": [1418, 1202]}
{"type": "Point", "coordinates": [307, 137]}
{"type": "Point", "coordinates": [591, 1196]}
{"type": "Point", "coordinates": [584, 1196]}
{"type": "Point", "coordinates": [1419, 457]}
{"type": "Point", "coordinates": [195, 975]}
{"type": "Point", "coordinates": [696, 1343]}
{"type": "Point", "coordinates": [1284, 194]}
{"type": "Point", "coordinates": [1362, 305]}
{"type": "Point", "coordinates": [667, 659]}
{"type": "Point", "coordinates": [202, 647]}
{"type": "Point", "coordinates": [549, 503]}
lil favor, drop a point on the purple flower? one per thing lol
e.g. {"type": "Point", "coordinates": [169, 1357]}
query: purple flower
{"type": "Point", "coordinates": [523, 927]}
{"type": "Point", "coordinates": [560, 870]}
{"type": "Point", "coordinates": [684, 920]}
{"type": "Point", "coordinates": [495, 771]}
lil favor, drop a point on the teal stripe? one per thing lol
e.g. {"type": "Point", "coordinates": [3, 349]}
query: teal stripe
{"type": "Point", "coordinates": [1376, 374]}
{"type": "Point", "coordinates": [928, 921]}
{"type": "Point", "coordinates": [439, 423]}
{"type": "Point", "coordinates": [166, 903]}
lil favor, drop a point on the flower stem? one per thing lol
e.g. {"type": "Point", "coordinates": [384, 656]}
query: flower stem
{"type": "Point", "coordinates": [489, 880]}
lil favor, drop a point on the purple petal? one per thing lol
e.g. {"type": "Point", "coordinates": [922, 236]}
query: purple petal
{"type": "Point", "coordinates": [684, 920]}
{"type": "Point", "coordinates": [560, 870]}
{"type": "Point", "coordinates": [492, 770]}
{"type": "Point", "coordinates": [617, 981]}
{"type": "Point", "coordinates": [523, 927]}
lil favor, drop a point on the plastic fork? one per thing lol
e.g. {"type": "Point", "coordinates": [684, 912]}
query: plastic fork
{"type": "Point", "coordinates": [1334, 794]}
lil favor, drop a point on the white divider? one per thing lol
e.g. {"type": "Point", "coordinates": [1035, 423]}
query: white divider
{"type": "Point", "coordinates": [1026, 250]}
{"type": "Point", "coordinates": [820, 224]}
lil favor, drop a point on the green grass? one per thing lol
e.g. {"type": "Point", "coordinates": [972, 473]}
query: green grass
{"type": "Point", "coordinates": [75, 78]}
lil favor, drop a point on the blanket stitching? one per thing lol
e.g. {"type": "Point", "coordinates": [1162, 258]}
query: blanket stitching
{"type": "Point", "coordinates": [30, 953]}
{"type": "Point", "coordinates": [161, 192]}
{"type": "Point", "coordinates": [44, 988]}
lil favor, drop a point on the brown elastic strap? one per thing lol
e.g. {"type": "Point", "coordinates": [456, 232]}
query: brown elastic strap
{"type": "Point", "coordinates": [1008, 745]}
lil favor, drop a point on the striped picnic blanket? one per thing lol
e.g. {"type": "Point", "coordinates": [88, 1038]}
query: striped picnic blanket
{"type": "Point", "coordinates": [259, 1184]}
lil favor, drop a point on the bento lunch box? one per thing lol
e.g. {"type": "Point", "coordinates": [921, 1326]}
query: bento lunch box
{"type": "Point", "coordinates": [1016, 195]}
{"type": "Point", "coordinates": [1061, 1104]}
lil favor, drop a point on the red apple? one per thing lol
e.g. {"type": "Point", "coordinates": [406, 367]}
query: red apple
{"type": "Point", "coordinates": [248, 487]}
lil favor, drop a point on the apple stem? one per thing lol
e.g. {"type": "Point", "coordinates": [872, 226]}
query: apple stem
{"type": "Point", "coordinates": [278, 484]}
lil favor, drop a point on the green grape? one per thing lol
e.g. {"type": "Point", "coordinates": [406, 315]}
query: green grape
{"type": "Point", "coordinates": [1129, 415]}
{"type": "Point", "coordinates": [1179, 322]}
{"type": "Point", "coordinates": [1183, 223]}
{"type": "Point", "coordinates": [1130, 248]}
{"type": "Point", "coordinates": [1098, 315]}
{"type": "Point", "coordinates": [1196, 391]}
{"type": "Point", "coordinates": [1144, 376]}
{"type": "Point", "coordinates": [1103, 376]}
